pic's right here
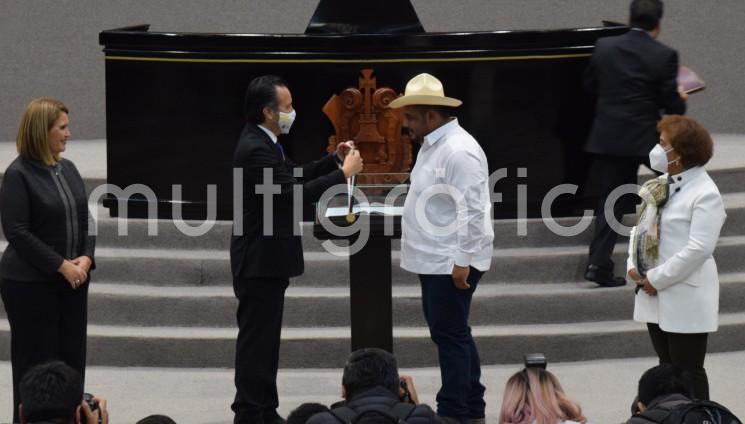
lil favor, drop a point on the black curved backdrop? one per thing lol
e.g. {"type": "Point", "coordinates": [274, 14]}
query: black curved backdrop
{"type": "Point", "coordinates": [174, 103]}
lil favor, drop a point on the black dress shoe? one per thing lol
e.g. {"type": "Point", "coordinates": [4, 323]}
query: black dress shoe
{"type": "Point", "coordinates": [603, 278]}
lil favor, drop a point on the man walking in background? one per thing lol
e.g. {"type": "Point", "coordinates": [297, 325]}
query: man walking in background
{"type": "Point", "coordinates": [634, 78]}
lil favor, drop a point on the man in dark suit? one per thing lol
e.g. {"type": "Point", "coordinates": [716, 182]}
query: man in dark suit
{"type": "Point", "coordinates": [634, 78]}
{"type": "Point", "coordinates": [268, 250]}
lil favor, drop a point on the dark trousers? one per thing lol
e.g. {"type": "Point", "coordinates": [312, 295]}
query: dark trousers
{"type": "Point", "coordinates": [48, 321]}
{"type": "Point", "coordinates": [261, 302]}
{"type": "Point", "coordinates": [446, 309]}
{"type": "Point", "coordinates": [612, 172]}
{"type": "Point", "coordinates": [686, 351]}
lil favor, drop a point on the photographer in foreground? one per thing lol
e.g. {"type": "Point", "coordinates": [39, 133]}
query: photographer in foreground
{"type": "Point", "coordinates": [535, 396]}
{"type": "Point", "coordinates": [373, 393]}
{"type": "Point", "coordinates": [665, 396]}
{"type": "Point", "coordinates": [53, 393]}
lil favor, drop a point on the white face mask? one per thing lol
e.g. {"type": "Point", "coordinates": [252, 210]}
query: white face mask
{"type": "Point", "coordinates": [286, 120]}
{"type": "Point", "coordinates": [658, 158]}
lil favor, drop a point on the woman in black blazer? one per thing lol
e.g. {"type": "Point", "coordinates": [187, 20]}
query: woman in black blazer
{"type": "Point", "coordinates": [45, 267]}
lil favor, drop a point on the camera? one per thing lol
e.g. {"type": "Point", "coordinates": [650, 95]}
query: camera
{"type": "Point", "coordinates": [92, 404]}
{"type": "Point", "coordinates": [535, 360]}
{"type": "Point", "coordinates": [406, 396]}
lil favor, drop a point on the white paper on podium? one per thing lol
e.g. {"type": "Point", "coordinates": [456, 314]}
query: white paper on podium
{"type": "Point", "coordinates": [374, 208]}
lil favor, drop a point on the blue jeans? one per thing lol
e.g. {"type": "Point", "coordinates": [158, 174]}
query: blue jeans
{"type": "Point", "coordinates": [446, 310]}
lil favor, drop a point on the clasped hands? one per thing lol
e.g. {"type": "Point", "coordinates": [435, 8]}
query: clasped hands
{"type": "Point", "coordinates": [76, 270]}
{"type": "Point", "coordinates": [642, 282]}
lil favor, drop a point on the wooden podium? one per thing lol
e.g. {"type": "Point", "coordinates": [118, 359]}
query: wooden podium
{"type": "Point", "coordinates": [362, 114]}
{"type": "Point", "coordinates": [370, 279]}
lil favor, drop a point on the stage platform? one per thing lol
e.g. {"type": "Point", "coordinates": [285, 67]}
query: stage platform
{"type": "Point", "coordinates": [162, 311]}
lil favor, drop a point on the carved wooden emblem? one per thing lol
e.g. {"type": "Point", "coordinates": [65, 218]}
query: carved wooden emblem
{"type": "Point", "coordinates": [362, 114]}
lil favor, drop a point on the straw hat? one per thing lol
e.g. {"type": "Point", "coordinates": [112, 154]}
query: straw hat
{"type": "Point", "coordinates": [424, 89]}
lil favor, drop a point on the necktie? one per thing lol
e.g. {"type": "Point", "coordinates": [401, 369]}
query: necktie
{"type": "Point", "coordinates": [281, 150]}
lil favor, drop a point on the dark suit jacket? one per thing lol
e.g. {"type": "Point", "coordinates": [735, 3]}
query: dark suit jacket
{"type": "Point", "coordinates": [44, 214]}
{"type": "Point", "coordinates": [279, 255]}
{"type": "Point", "coordinates": [634, 78]}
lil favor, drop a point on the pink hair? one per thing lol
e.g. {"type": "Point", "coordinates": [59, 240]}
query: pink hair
{"type": "Point", "coordinates": [535, 395]}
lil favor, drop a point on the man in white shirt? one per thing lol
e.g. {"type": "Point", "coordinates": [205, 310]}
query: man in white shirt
{"type": "Point", "coordinates": [447, 238]}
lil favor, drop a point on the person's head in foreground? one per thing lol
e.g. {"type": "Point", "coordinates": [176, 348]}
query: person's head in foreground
{"type": "Point", "coordinates": [51, 392]}
{"type": "Point", "coordinates": [369, 368]}
{"type": "Point", "coordinates": [666, 393]}
{"type": "Point", "coordinates": [659, 381]}
{"type": "Point", "coordinates": [534, 395]}
{"type": "Point", "coordinates": [156, 419]}
{"type": "Point", "coordinates": [302, 413]}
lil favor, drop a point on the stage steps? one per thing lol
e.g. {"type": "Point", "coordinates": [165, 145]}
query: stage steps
{"type": "Point", "coordinates": [167, 301]}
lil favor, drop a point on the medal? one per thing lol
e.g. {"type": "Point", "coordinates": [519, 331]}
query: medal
{"type": "Point", "coordinates": [350, 194]}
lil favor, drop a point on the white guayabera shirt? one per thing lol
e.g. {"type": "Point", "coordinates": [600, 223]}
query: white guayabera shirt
{"type": "Point", "coordinates": [447, 212]}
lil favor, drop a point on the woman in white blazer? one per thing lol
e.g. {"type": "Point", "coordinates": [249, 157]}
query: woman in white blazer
{"type": "Point", "coordinates": [670, 254]}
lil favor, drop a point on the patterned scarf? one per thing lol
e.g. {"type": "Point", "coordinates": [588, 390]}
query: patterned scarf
{"type": "Point", "coordinates": [646, 241]}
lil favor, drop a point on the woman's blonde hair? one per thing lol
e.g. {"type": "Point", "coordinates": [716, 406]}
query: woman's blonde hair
{"type": "Point", "coordinates": [534, 395]}
{"type": "Point", "coordinates": [33, 134]}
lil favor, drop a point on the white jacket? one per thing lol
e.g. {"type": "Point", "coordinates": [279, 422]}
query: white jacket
{"type": "Point", "coordinates": [685, 277]}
